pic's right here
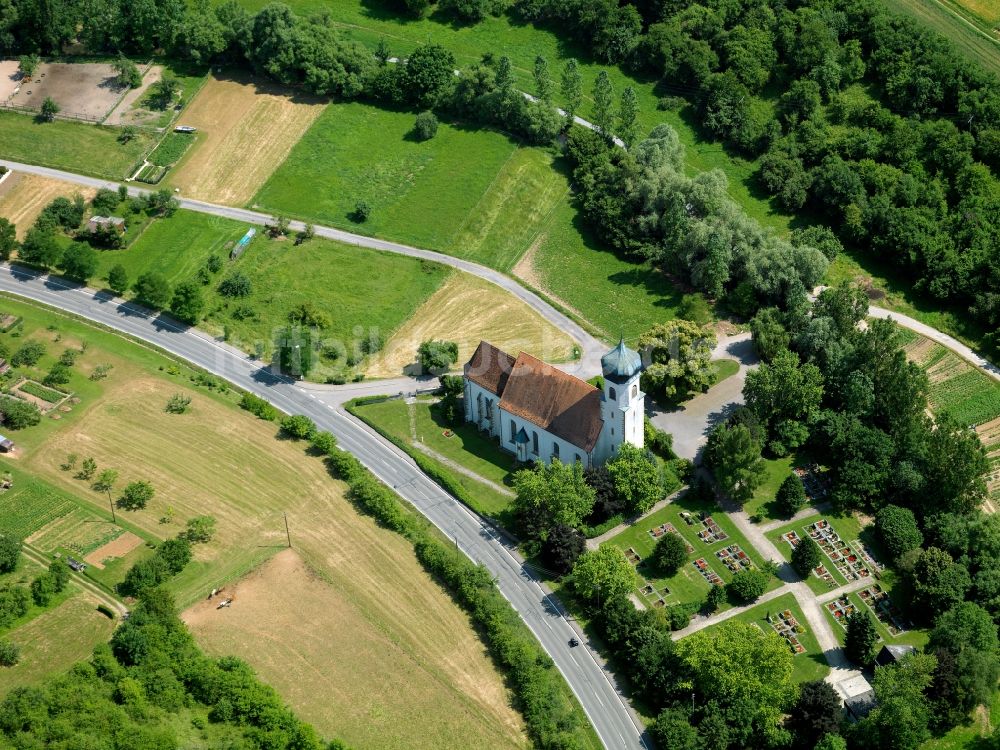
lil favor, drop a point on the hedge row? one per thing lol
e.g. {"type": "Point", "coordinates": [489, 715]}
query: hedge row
{"type": "Point", "coordinates": [551, 716]}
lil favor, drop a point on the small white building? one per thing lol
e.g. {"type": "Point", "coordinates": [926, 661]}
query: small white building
{"type": "Point", "coordinates": [97, 222]}
{"type": "Point", "coordinates": [539, 412]}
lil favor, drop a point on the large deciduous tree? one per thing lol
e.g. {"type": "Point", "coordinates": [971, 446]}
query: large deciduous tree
{"type": "Point", "coordinates": [637, 478]}
{"type": "Point", "coordinates": [680, 359]}
{"type": "Point", "coordinates": [734, 458]}
{"type": "Point", "coordinates": [603, 575]}
{"type": "Point", "coordinates": [551, 495]}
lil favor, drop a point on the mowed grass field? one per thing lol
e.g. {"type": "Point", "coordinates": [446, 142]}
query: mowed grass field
{"type": "Point", "coordinates": [361, 290]}
{"type": "Point", "coordinates": [394, 621]}
{"type": "Point", "coordinates": [420, 193]}
{"type": "Point", "coordinates": [72, 146]}
{"type": "Point", "coordinates": [467, 310]}
{"type": "Point", "coordinates": [23, 196]}
{"type": "Point", "coordinates": [246, 128]}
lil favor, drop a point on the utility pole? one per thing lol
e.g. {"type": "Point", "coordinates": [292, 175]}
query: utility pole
{"type": "Point", "coordinates": [114, 519]}
{"type": "Point", "coordinates": [287, 535]}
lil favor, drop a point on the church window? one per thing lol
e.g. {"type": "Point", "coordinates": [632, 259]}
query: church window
{"type": "Point", "coordinates": [513, 430]}
{"type": "Point", "coordinates": [635, 391]}
{"type": "Point", "coordinates": [534, 442]}
{"type": "Point", "coordinates": [555, 449]}
{"type": "Point", "coordinates": [579, 458]}
{"type": "Point", "coordinates": [611, 394]}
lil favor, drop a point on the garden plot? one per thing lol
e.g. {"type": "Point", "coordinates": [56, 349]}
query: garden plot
{"type": "Point", "coordinates": [45, 398]}
{"type": "Point", "coordinates": [79, 532]}
{"type": "Point", "coordinates": [989, 434]}
{"type": "Point", "coordinates": [853, 561]}
{"type": "Point", "coordinates": [956, 386]}
{"type": "Point", "coordinates": [84, 90]}
{"type": "Point", "coordinates": [31, 506]}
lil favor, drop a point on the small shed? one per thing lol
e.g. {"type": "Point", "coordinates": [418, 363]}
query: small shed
{"type": "Point", "coordinates": [890, 654]}
{"type": "Point", "coordinates": [859, 706]}
{"type": "Point", "coordinates": [96, 222]}
{"type": "Point", "coordinates": [6, 444]}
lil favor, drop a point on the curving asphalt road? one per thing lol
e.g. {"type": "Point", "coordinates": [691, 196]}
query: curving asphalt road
{"type": "Point", "coordinates": [608, 711]}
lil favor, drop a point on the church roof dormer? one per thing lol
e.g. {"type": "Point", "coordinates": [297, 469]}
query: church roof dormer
{"type": "Point", "coordinates": [621, 363]}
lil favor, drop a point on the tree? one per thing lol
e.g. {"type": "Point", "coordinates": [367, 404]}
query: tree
{"type": "Point", "coordinates": [806, 556]}
{"type": "Point", "coordinates": [784, 391]}
{"type": "Point", "coordinates": [10, 653]}
{"type": "Point", "coordinates": [571, 87]}
{"type": "Point", "coordinates": [831, 742]}
{"type": "Point", "coordinates": [79, 261]}
{"type": "Point", "coordinates": [938, 583]}
{"type": "Point", "coordinates": [628, 114]}
{"type": "Point", "coordinates": [188, 302]}
{"type": "Point", "coordinates": [175, 553]}
{"type": "Point", "coordinates": [294, 346]}
{"type": "Point", "coordinates": [740, 665]}
{"type": "Point", "coordinates": [362, 212]}
{"type": "Point", "coordinates": [897, 530]}
{"type": "Point", "coordinates": [200, 529]}
{"type": "Point", "coordinates": [637, 478]}
{"type": "Point", "coordinates": [118, 281]}
{"type": "Point", "coordinates": [106, 480]}
{"type": "Point", "coordinates": [10, 552]}
{"type": "Point", "coordinates": [49, 110]}
{"type": "Point", "coordinates": [42, 589]}
{"type": "Point", "coordinates": [40, 246]}
{"type": "Point", "coordinates": [669, 554]}
{"type": "Point", "coordinates": [603, 575]}
{"type": "Point", "coordinates": [673, 730]}
{"type": "Point", "coordinates": [27, 65]}
{"type": "Point", "coordinates": [428, 75]}
{"type": "Point", "coordinates": [748, 585]}
{"type": "Point", "coordinates": [791, 497]}
{"type": "Point", "coordinates": [680, 357]}
{"type": "Point", "coordinates": [16, 414]}
{"type": "Point", "coordinates": [152, 289]}
{"type": "Point", "coordinates": [436, 357]}
{"type": "Point", "coordinates": [307, 233]}
{"type": "Point", "coordinates": [734, 458]}
{"type": "Point", "coordinates": [816, 713]}
{"type": "Point", "coordinates": [136, 495]}
{"type": "Point", "coordinates": [323, 443]}
{"type": "Point", "coordinates": [504, 77]}
{"type": "Point", "coordinates": [298, 426]}
{"type": "Point", "coordinates": [562, 548]}
{"type": "Point", "coordinates": [902, 715]}
{"type": "Point", "coordinates": [604, 103]}
{"type": "Point", "coordinates": [87, 469]}
{"type": "Point", "coordinates": [550, 495]}
{"type": "Point", "coordinates": [543, 82]}
{"type": "Point", "coordinates": [128, 73]}
{"type": "Point", "coordinates": [161, 203]}
{"type": "Point", "coordinates": [862, 637]}
{"type": "Point", "coordinates": [426, 126]}
{"type": "Point", "coordinates": [8, 239]}
{"type": "Point", "coordinates": [162, 93]}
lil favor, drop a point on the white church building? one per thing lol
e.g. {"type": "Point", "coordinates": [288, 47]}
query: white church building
{"type": "Point", "coordinates": [539, 412]}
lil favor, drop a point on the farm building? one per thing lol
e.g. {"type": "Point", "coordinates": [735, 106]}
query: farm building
{"type": "Point", "coordinates": [97, 222]}
{"type": "Point", "coordinates": [6, 444]}
{"type": "Point", "coordinates": [539, 412]}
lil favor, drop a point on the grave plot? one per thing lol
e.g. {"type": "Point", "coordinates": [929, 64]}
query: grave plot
{"type": "Point", "coordinates": [734, 558]}
{"type": "Point", "coordinates": [656, 597]}
{"type": "Point", "coordinates": [707, 573]}
{"type": "Point", "coordinates": [633, 556]}
{"type": "Point", "coordinates": [815, 482]}
{"type": "Point", "coordinates": [711, 533]}
{"type": "Point", "coordinates": [841, 609]}
{"type": "Point", "coordinates": [669, 528]}
{"type": "Point", "coordinates": [878, 601]}
{"type": "Point", "coordinates": [853, 564]}
{"type": "Point", "coordinates": [786, 625]}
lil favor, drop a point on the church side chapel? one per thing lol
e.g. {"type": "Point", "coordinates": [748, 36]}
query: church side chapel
{"type": "Point", "coordinates": [538, 412]}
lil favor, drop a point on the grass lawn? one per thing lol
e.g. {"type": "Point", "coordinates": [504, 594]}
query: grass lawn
{"type": "Point", "coordinates": [725, 368]}
{"type": "Point", "coordinates": [218, 459]}
{"type": "Point", "coordinates": [73, 146]}
{"type": "Point", "coordinates": [762, 502]}
{"type": "Point", "coordinates": [688, 586]}
{"type": "Point", "coordinates": [421, 193]}
{"type": "Point", "coordinates": [416, 424]}
{"type": "Point", "coordinates": [342, 281]}
{"type": "Point", "coordinates": [807, 666]}
{"type": "Point", "coordinates": [615, 295]}
{"type": "Point", "coordinates": [916, 638]}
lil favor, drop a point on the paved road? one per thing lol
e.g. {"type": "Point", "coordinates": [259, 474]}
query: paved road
{"type": "Point", "coordinates": [603, 703]}
{"type": "Point", "coordinates": [592, 348]}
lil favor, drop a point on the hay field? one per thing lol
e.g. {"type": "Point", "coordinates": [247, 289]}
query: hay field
{"type": "Point", "coordinates": [23, 196]}
{"type": "Point", "coordinates": [287, 621]}
{"type": "Point", "coordinates": [246, 131]}
{"type": "Point", "coordinates": [391, 633]}
{"type": "Point", "coordinates": [467, 309]}
{"type": "Point", "coordinates": [55, 640]}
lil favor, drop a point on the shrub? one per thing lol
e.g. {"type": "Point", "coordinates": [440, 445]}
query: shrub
{"type": "Point", "coordinates": [791, 497]}
{"type": "Point", "coordinates": [323, 442]}
{"type": "Point", "coordinates": [28, 354]}
{"type": "Point", "coordinates": [17, 414]}
{"type": "Point", "coordinates": [298, 426]}
{"type": "Point", "coordinates": [437, 357]}
{"type": "Point", "coordinates": [200, 529]}
{"type": "Point", "coordinates": [362, 212]}
{"type": "Point", "coordinates": [236, 285]}
{"type": "Point", "coordinates": [152, 289]}
{"type": "Point", "coordinates": [258, 407]}
{"type": "Point", "coordinates": [426, 126]}
{"type": "Point", "coordinates": [136, 495]}
{"type": "Point", "coordinates": [178, 404]}
{"type": "Point", "coordinates": [10, 653]}
{"type": "Point", "coordinates": [806, 557]}
{"type": "Point", "coordinates": [10, 552]}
